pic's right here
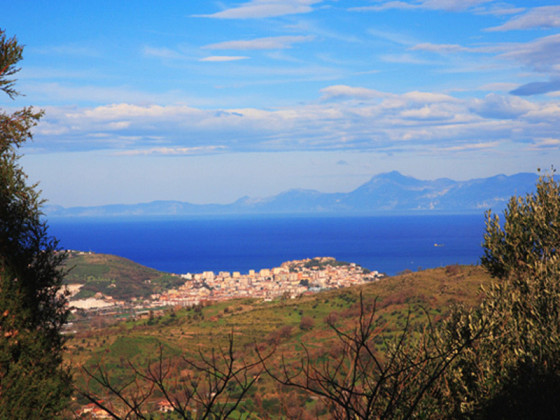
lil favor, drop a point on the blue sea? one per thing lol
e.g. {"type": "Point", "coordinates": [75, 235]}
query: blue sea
{"type": "Point", "coordinates": [389, 244]}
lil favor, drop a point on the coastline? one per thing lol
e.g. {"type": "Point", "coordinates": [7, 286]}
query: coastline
{"type": "Point", "coordinates": [389, 244]}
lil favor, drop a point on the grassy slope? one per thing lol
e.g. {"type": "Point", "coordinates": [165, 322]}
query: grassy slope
{"type": "Point", "coordinates": [115, 276]}
{"type": "Point", "coordinates": [276, 325]}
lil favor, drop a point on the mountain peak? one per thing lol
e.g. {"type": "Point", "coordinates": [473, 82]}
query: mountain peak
{"type": "Point", "coordinates": [385, 193]}
{"type": "Point", "coordinates": [394, 178]}
{"type": "Point", "coordinates": [394, 173]}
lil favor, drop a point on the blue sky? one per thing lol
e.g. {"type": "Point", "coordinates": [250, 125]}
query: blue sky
{"type": "Point", "coordinates": [209, 101]}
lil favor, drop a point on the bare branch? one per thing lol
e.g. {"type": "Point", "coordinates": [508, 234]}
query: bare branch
{"type": "Point", "coordinates": [219, 383]}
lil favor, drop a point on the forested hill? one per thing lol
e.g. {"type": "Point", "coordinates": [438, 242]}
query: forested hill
{"type": "Point", "coordinates": [383, 194]}
{"type": "Point", "coordinates": [114, 276]}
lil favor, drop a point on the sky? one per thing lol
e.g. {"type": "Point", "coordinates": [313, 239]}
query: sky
{"type": "Point", "coordinates": [209, 101]}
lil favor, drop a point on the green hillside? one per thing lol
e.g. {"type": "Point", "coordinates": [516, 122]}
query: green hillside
{"type": "Point", "coordinates": [282, 327]}
{"type": "Point", "coordinates": [115, 276]}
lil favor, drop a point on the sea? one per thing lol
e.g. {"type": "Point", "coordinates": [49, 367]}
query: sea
{"type": "Point", "coordinates": [388, 244]}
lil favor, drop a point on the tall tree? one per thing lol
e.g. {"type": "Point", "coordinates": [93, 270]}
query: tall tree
{"type": "Point", "coordinates": [33, 383]}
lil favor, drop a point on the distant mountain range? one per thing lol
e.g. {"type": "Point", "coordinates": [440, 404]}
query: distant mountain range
{"type": "Point", "coordinates": [387, 193]}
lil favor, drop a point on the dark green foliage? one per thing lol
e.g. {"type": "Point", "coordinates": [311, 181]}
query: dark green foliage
{"type": "Point", "coordinates": [321, 264]}
{"type": "Point", "coordinates": [514, 370]}
{"type": "Point", "coordinates": [529, 239]}
{"type": "Point", "coordinates": [10, 54]}
{"type": "Point", "coordinates": [32, 311]}
{"type": "Point", "coordinates": [271, 405]}
{"type": "Point", "coordinates": [115, 276]}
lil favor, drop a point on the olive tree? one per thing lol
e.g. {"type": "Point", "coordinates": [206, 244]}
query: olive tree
{"type": "Point", "coordinates": [514, 370]}
{"type": "Point", "coordinates": [527, 242]}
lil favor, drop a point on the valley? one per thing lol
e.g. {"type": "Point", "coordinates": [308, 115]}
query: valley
{"type": "Point", "coordinates": [285, 328]}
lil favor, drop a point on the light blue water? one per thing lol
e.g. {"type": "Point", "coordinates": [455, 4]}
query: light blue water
{"type": "Point", "coordinates": [387, 244]}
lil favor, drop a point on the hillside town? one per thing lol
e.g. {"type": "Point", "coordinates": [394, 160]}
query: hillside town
{"type": "Point", "coordinates": [290, 280]}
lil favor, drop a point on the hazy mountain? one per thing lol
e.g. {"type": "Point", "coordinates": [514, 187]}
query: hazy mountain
{"type": "Point", "coordinates": [387, 193]}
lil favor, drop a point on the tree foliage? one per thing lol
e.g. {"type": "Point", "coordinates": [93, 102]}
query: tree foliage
{"type": "Point", "coordinates": [514, 370]}
{"type": "Point", "coordinates": [33, 383]}
{"type": "Point", "coordinates": [528, 242]}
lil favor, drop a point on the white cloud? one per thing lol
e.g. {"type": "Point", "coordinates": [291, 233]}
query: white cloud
{"type": "Point", "coordinates": [538, 17]}
{"type": "Point", "coordinates": [427, 97]}
{"type": "Point", "coordinates": [123, 110]}
{"type": "Point", "coordinates": [450, 5]}
{"type": "Point", "coordinates": [399, 38]}
{"type": "Point", "coordinates": [172, 151]}
{"type": "Point", "coordinates": [545, 112]}
{"type": "Point", "coordinates": [542, 54]}
{"type": "Point", "coordinates": [346, 118]}
{"type": "Point", "coordinates": [349, 92]}
{"type": "Point", "coordinates": [428, 112]}
{"type": "Point", "coordinates": [386, 6]}
{"type": "Point", "coordinates": [453, 5]}
{"type": "Point", "coordinates": [456, 48]}
{"type": "Point", "coordinates": [220, 58]}
{"type": "Point", "coordinates": [546, 143]}
{"type": "Point", "coordinates": [269, 43]}
{"type": "Point", "coordinates": [119, 125]}
{"type": "Point", "coordinates": [471, 147]}
{"type": "Point", "coordinates": [404, 58]}
{"type": "Point", "coordinates": [439, 48]}
{"type": "Point", "coordinates": [257, 9]}
{"type": "Point", "coordinates": [498, 86]}
{"type": "Point", "coordinates": [501, 107]}
{"type": "Point", "coordinates": [500, 10]}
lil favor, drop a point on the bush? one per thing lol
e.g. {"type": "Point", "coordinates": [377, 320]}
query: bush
{"type": "Point", "coordinates": [307, 323]}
